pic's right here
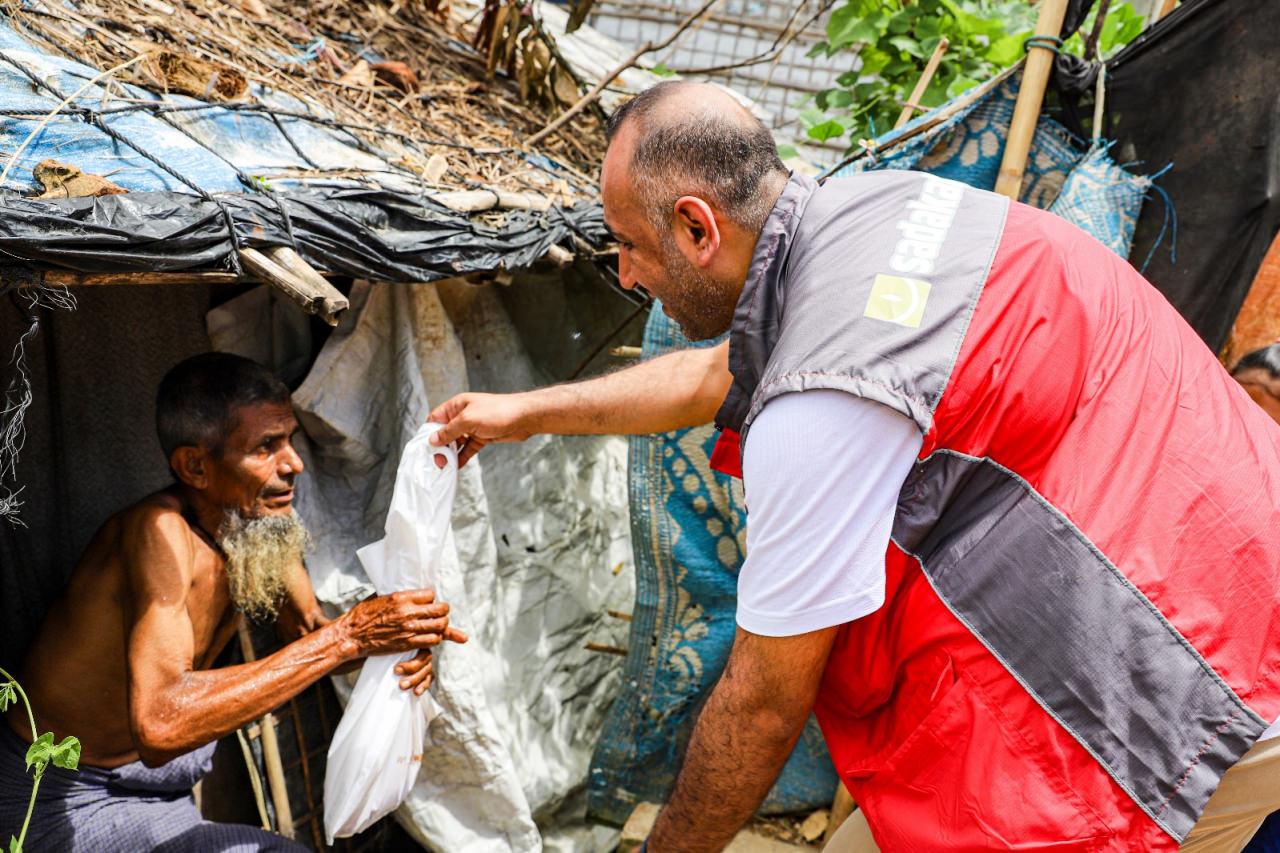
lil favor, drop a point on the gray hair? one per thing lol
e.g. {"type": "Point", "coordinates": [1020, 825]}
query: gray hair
{"type": "Point", "coordinates": [715, 153]}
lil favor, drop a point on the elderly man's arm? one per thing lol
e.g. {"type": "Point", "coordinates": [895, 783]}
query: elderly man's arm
{"type": "Point", "coordinates": [174, 708]}
{"type": "Point", "coordinates": [676, 390]}
{"type": "Point", "coordinates": [300, 614]}
{"type": "Point", "coordinates": [743, 736]}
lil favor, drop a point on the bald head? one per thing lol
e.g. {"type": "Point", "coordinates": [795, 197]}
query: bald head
{"type": "Point", "coordinates": [685, 138]}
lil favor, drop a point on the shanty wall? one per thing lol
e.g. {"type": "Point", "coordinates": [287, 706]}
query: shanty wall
{"type": "Point", "coordinates": [91, 446]}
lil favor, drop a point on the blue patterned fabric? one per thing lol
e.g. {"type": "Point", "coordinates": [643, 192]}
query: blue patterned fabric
{"type": "Point", "coordinates": [1104, 200]}
{"type": "Point", "coordinates": [688, 527]}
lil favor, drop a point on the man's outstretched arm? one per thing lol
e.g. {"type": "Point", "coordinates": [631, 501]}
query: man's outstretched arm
{"type": "Point", "coordinates": [174, 707]}
{"type": "Point", "coordinates": [676, 390]}
{"type": "Point", "coordinates": [742, 738]}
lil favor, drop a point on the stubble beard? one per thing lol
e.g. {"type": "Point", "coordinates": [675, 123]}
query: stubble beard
{"type": "Point", "coordinates": [261, 552]}
{"type": "Point", "coordinates": [702, 305]}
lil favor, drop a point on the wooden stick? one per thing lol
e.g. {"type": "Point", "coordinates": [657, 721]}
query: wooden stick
{"type": "Point", "coordinates": [67, 278]}
{"type": "Point", "coordinates": [930, 68]}
{"type": "Point", "coordinates": [475, 201]}
{"type": "Point", "coordinates": [331, 301]}
{"type": "Point", "coordinates": [316, 835]}
{"type": "Point", "coordinates": [1099, 18]}
{"type": "Point", "coordinates": [302, 290]}
{"type": "Point", "coordinates": [631, 60]}
{"type": "Point", "coordinates": [841, 807]}
{"type": "Point", "coordinates": [1026, 112]}
{"type": "Point", "coordinates": [605, 649]}
{"type": "Point", "coordinates": [1099, 101]}
{"type": "Point", "coordinates": [255, 781]}
{"type": "Point", "coordinates": [270, 751]}
{"type": "Point", "coordinates": [1165, 8]}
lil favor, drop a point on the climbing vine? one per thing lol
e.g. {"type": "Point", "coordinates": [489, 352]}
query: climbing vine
{"type": "Point", "coordinates": [886, 44]}
{"type": "Point", "coordinates": [42, 752]}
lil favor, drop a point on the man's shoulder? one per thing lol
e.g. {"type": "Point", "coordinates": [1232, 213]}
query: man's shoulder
{"type": "Point", "coordinates": [157, 517]}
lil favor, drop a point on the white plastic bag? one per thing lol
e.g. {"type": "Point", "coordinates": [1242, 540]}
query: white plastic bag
{"type": "Point", "coordinates": [376, 751]}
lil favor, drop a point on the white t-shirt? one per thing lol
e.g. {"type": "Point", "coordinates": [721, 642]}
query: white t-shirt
{"type": "Point", "coordinates": [822, 471]}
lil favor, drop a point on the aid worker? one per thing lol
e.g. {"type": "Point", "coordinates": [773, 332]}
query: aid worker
{"type": "Point", "coordinates": [1012, 531]}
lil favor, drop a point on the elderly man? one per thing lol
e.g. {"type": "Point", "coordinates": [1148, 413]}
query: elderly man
{"type": "Point", "coordinates": [125, 664]}
{"type": "Point", "coordinates": [1002, 503]}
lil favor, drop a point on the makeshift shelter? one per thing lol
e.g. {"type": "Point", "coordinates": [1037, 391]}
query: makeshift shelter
{"type": "Point", "coordinates": [235, 145]}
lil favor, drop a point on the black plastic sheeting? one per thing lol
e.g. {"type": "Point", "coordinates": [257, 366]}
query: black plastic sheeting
{"type": "Point", "coordinates": [364, 233]}
{"type": "Point", "coordinates": [1201, 90]}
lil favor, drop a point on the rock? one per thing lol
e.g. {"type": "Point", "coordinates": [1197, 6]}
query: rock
{"type": "Point", "coordinates": [638, 826]}
{"type": "Point", "coordinates": [63, 180]}
{"type": "Point", "coordinates": [815, 825]}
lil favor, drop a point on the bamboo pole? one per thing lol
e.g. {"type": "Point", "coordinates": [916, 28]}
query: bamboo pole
{"type": "Point", "coordinates": [270, 752]}
{"type": "Point", "coordinates": [931, 68]}
{"type": "Point", "coordinates": [1026, 112]}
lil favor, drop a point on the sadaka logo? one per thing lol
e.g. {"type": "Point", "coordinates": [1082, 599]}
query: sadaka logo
{"type": "Point", "coordinates": [923, 231]}
{"type": "Point", "coordinates": [898, 300]}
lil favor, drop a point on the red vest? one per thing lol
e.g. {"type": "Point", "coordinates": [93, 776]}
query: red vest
{"type": "Point", "coordinates": [1081, 630]}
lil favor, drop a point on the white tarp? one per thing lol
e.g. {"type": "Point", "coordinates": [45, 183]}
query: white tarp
{"type": "Point", "coordinates": [539, 534]}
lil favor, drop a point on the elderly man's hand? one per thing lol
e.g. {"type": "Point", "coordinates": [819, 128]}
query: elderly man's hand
{"type": "Point", "coordinates": [417, 672]}
{"type": "Point", "coordinates": [399, 622]}
{"type": "Point", "coordinates": [474, 420]}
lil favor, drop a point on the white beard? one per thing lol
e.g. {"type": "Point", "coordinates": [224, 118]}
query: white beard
{"type": "Point", "coordinates": [261, 552]}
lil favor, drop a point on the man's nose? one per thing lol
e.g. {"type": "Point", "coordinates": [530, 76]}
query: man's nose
{"type": "Point", "coordinates": [290, 462]}
{"type": "Point", "coordinates": [625, 277]}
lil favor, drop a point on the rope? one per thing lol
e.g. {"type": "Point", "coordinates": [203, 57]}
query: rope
{"type": "Point", "coordinates": [1052, 43]}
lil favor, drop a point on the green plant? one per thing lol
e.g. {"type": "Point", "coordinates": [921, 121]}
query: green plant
{"type": "Point", "coordinates": [893, 39]}
{"type": "Point", "coordinates": [42, 752]}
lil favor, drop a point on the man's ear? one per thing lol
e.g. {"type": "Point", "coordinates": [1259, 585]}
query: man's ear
{"type": "Point", "coordinates": [696, 231]}
{"type": "Point", "coordinates": [190, 465]}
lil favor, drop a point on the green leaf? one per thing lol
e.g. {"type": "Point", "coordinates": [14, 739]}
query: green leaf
{"type": "Point", "coordinates": [907, 44]}
{"type": "Point", "coordinates": [811, 117]}
{"type": "Point", "coordinates": [661, 70]}
{"type": "Point", "coordinates": [14, 846]}
{"type": "Point", "coordinates": [847, 25]}
{"type": "Point", "coordinates": [8, 696]}
{"type": "Point", "coordinates": [1005, 50]}
{"type": "Point", "coordinates": [830, 129]}
{"type": "Point", "coordinates": [901, 22]}
{"type": "Point", "coordinates": [839, 98]}
{"type": "Point", "coordinates": [959, 86]}
{"type": "Point", "coordinates": [39, 753]}
{"type": "Point", "coordinates": [786, 152]}
{"type": "Point", "coordinates": [67, 754]}
{"type": "Point", "coordinates": [898, 67]}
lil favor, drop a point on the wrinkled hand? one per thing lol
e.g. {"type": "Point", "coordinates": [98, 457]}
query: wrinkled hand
{"type": "Point", "coordinates": [400, 622]}
{"type": "Point", "coordinates": [474, 420]}
{"type": "Point", "coordinates": [417, 672]}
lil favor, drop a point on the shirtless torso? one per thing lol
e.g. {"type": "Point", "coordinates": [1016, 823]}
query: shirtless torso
{"type": "Point", "coordinates": [76, 673]}
{"type": "Point", "coordinates": [123, 660]}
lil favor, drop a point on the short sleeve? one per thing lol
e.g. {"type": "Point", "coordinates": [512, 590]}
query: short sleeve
{"type": "Point", "coordinates": [822, 471]}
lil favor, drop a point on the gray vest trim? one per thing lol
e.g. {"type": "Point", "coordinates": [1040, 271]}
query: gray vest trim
{"type": "Point", "coordinates": [1087, 645]}
{"type": "Point", "coordinates": [755, 319]}
{"type": "Point", "coordinates": [879, 286]}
